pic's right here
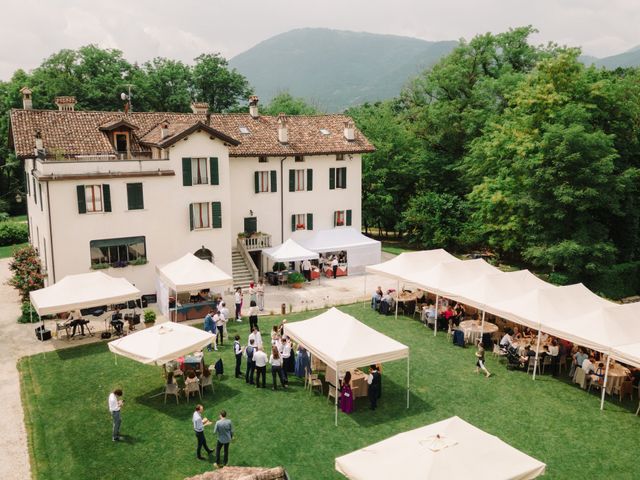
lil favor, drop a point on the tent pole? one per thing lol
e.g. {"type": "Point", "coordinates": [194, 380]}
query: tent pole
{"type": "Point", "coordinates": [364, 302]}
{"type": "Point", "coordinates": [482, 326]}
{"type": "Point", "coordinates": [407, 381]}
{"type": "Point", "coordinates": [604, 385]}
{"type": "Point", "coordinates": [336, 399]}
{"type": "Point", "coordinates": [397, 298]}
{"type": "Point", "coordinates": [535, 363]}
{"type": "Point", "coordinates": [435, 320]}
{"type": "Point", "coordinates": [115, 358]}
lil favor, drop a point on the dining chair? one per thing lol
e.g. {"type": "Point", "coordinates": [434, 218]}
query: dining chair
{"type": "Point", "coordinates": [206, 382]}
{"type": "Point", "coordinates": [332, 392]}
{"type": "Point", "coordinates": [171, 389]}
{"type": "Point", "coordinates": [192, 387]}
{"type": "Point", "coordinates": [531, 365]}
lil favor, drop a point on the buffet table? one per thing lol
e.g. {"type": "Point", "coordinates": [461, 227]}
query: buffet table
{"type": "Point", "coordinates": [359, 384]}
{"type": "Point", "coordinates": [194, 311]}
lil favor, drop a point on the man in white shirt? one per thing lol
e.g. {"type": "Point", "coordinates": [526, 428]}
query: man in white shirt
{"type": "Point", "coordinates": [587, 366]}
{"type": "Point", "coordinates": [224, 311]}
{"type": "Point", "coordinates": [115, 404]}
{"type": "Point", "coordinates": [334, 266]}
{"type": "Point", "coordinates": [260, 359]}
{"type": "Point", "coordinates": [219, 320]}
{"type": "Point", "coordinates": [506, 341]}
{"type": "Point", "coordinates": [306, 269]}
{"type": "Point", "coordinates": [198, 426]}
{"type": "Point", "coordinates": [238, 301]}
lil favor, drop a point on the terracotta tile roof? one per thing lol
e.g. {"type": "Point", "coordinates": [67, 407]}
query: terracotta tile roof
{"type": "Point", "coordinates": [79, 133]}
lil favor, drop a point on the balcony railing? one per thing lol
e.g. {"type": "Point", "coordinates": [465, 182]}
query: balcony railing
{"type": "Point", "coordinates": [98, 157]}
{"type": "Point", "coordinates": [257, 241]}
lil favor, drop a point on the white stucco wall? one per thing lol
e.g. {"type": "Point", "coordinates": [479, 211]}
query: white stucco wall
{"type": "Point", "coordinates": [321, 201]}
{"type": "Point", "coordinates": [164, 221]}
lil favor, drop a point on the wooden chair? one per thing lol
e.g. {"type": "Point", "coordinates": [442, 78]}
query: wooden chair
{"type": "Point", "coordinates": [332, 392]}
{"type": "Point", "coordinates": [596, 384]}
{"type": "Point", "coordinates": [206, 382]}
{"type": "Point", "coordinates": [531, 365]}
{"type": "Point", "coordinates": [171, 389]}
{"type": "Point", "coordinates": [315, 382]}
{"type": "Point", "coordinates": [562, 364]}
{"type": "Point", "coordinates": [498, 352]}
{"type": "Point", "coordinates": [192, 387]}
{"type": "Point", "coordinates": [625, 388]}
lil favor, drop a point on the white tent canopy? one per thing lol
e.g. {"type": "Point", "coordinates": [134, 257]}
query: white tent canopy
{"type": "Point", "coordinates": [444, 277]}
{"type": "Point", "coordinates": [343, 342]}
{"type": "Point", "coordinates": [408, 264]}
{"type": "Point", "coordinates": [190, 273]}
{"type": "Point", "coordinates": [161, 343]}
{"type": "Point", "coordinates": [84, 290]}
{"type": "Point", "coordinates": [451, 449]}
{"type": "Point", "coordinates": [497, 287]}
{"type": "Point", "coordinates": [290, 251]}
{"type": "Point", "coordinates": [361, 250]}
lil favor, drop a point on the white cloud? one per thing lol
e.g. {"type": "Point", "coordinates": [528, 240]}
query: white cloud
{"type": "Point", "coordinates": [31, 30]}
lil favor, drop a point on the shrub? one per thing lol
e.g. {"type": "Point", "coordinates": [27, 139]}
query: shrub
{"type": "Point", "coordinates": [12, 233]}
{"type": "Point", "coordinates": [295, 277]}
{"type": "Point", "coordinates": [27, 316]}
{"type": "Point", "coordinates": [616, 281]}
{"type": "Point", "coordinates": [149, 316]}
{"type": "Point", "coordinates": [27, 271]}
{"type": "Point", "coordinates": [4, 216]}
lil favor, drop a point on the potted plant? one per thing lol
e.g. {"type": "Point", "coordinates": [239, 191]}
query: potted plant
{"type": "Point", "coordinates": [149, 318]}
{"type": "Point", "coordinates": [300, 226]}
{"type": "Point", "coordinates": [296, 279]}
{"type": "Point", "coordinates": [339, 223]}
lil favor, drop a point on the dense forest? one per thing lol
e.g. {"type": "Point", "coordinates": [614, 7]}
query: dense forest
{"type": "Point", "coordinates": [502, 146]}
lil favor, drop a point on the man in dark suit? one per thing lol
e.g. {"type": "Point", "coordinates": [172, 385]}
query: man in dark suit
{"type": "Point", "coordinates": [375, 383]}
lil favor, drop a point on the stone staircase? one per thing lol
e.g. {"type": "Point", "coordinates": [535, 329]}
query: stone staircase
{"type": "Point", "coordinates": [240, 272]}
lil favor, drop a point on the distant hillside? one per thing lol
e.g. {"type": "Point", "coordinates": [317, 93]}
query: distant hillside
{"type": "Point", "coordinates": [336, 69]}
{"type": "Point", "coordinates": [630, 58]}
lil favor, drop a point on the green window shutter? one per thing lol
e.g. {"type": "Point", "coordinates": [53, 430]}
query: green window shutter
{"type": "Point", "coordinates": [35, 194]}
{"type": "Point", "coordinates": [293, 223]}
{"type": "Point", "coordinates": [135, 198]}
{"type": "Point", "coordinates": [216, 214]}
{"type": "Point", "coordinates": [344, 177]}
{"type": "Point", "coordinates": [213, 167]}
{"type": "Point", "coordinates": [186, 172]}
{"type": "Point", "coordinates": [332, 179]}
{"type": "Point", "coordinates": [348, 222]}
{"type": "Point", "coordinates": [309, 179]}
{"type": "Point", "coordinates": [106, 197]}
{"type": "Point", "coordinates": [256, 182]}
{"type": "Point", "coordinates": [191, 216]}
{"type": "Point", "coordinates": [292, 180]}
{"type": "Point", "coordinates": [309, 221]}
{"type": "Point", "coordinates": [26, 182]}
{"type": "Point", "coordinates": [40, 194]}
{"type": "Point", "coordinates": [274, 181]}
{"type": "Point", "coordinates": [82, 203]}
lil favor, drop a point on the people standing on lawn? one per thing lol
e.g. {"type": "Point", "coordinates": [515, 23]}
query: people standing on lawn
{"type": "Point", "coordinates": [237, 350]}
{"type": "Point", "coordinates": [288, 358]}
{"type": "Point", "coordinates": [198, 426]}
{"type": "Point", "coordinates": [238, 302]}
{"type": "Point", "coordinates": [115, 404]}
{"type": "Point", "coordinates": [224, 311]}
{"type": "Point", "coordinates": [210, 326]}
{"type": "Point", "coordinates": [302, 362]}
{"type": "Point", "coordinates": [251, 364]}
{"type": "Point", "coordinates": [219, 319]}
{"type": "Point", "coordinates": [346, 394]}
{"type": "Point", "coordinates": [260, 294]}
{"type": "Point", "coordinates": [480, 360]}
{"type": "Point", "coordinates": [274, 334]}
{"type": "Point", "coordinates": [258, 337]}
{"type": "Point", "coordinates": [375, 383]}
{"type": "Point", "coordinates": [253, 314]}
{"type": "Point", "coordinates": [260, 358]}
{"type": "Point", "coordinates": [224, 430]}
{"type": "Point", "coordinates": [275, 360]}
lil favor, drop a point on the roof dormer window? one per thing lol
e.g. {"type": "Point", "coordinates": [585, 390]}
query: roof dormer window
{"type": "Point", "coordinates": [121, 143]}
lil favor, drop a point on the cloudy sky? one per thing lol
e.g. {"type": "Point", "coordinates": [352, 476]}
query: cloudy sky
{"type": "Point", "coordinates": [31, 30]}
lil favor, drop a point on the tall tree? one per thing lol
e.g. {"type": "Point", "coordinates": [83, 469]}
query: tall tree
{"type": "Point", "coordinates": [216, 84]}
{"type": "Point", "coordinates": [286, 103]}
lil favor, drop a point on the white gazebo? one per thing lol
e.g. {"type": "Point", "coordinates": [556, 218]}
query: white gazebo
{"type": "Point", "coordinates": [85, 290]}
{"type": "Point", "coordinates": [451, 449]}
{"type": "Point", "coordinates": [161, 343]}
{"type": "Point", "coordinates": [344, 343]}
{"type": "Point", "coordinates": [188, 273]}
{"type": "Point", "coordinates": [290, 251]}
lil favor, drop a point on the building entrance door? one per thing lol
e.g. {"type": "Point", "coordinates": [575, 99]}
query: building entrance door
{"type": "Point", "coordinates": [250, 225]}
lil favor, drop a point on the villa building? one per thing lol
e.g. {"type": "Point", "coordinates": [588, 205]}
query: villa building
{"type": "Point", "coordinates": [130, 191]}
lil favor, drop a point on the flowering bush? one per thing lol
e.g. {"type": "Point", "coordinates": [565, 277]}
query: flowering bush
{"type": "Point", "coordinates": [27, 271]}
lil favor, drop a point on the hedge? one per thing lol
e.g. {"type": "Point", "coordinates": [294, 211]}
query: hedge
{"type": "Point", "coordinates": [617, 281]}
{"type": "Point", "coordinates": [12, 233]}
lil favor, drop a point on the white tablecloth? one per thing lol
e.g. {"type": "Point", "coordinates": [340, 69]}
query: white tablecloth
{"type": "Point", "coordinates": [473, 329]}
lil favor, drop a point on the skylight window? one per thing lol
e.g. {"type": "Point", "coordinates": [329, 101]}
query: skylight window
{"type": "Point", "coordinates": [324, 131]}
{"type": "Point", "coordinates": [244, 130]}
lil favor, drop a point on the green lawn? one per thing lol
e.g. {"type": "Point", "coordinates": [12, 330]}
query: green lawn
{"type": "Point", "coordinates": [394, 248]}
{"type": "Point", "coordinates": [7, 251]}
{"type": "Point", "coordinates": [65, 398]}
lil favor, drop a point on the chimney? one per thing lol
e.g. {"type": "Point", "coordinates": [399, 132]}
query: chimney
{"type": "Point", "coordinates": [27, 103]}
{"type": "Point", "coordinates": [164, 130]}
{"type": "Point", "coordinates": [283, 131]}
{"type": "Point", "coordinates": [66, 104]}
{"type": "Point", "coordinates": [199, 107]}
{"type": "Point", "coordinates": [349, 131]}
{"type": "Point", "coordinates": [253, 106]}
{"type": "Point", "coordinates": [39, 146]}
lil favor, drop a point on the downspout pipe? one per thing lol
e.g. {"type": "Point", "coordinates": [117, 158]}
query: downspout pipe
{"type": "Point", "coordinates": [282, 199]}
